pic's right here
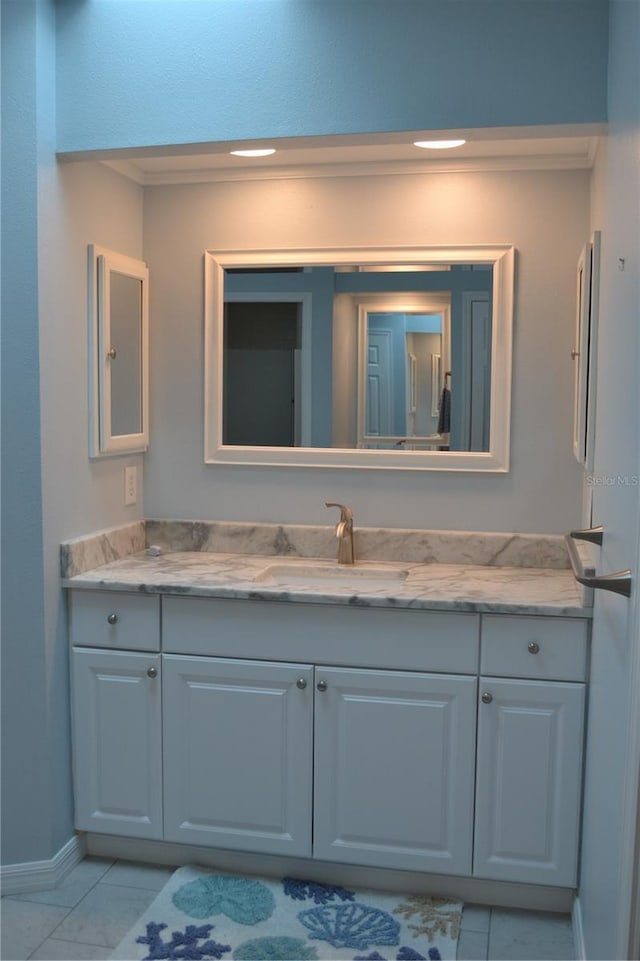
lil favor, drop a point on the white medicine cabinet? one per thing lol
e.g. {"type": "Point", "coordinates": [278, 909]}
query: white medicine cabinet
{"type": "Point", "coordinates": [118, 312]}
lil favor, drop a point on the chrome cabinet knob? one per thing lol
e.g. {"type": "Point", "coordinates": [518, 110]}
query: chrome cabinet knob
{"type": "Point", "coordinates": [533, 647]}
{"type": "Point", "coordinates": [152, 672]}
{"type": "Point", "coordinates": [111, 354]}
{"type": "Point", "coordinates": [112, 618]}
{"type": "Point", "coordinates": [322, 686]}
{"type": "Point", "coordinates": [487, 698]}
{"type": "Point", "coordinates": [301, 683]}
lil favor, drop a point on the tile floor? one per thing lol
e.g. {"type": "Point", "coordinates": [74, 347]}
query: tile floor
{"type": "Point", "coordinates": [85, 917]}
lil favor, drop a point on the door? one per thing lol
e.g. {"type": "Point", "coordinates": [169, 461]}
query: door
{"type": "Point", "coordinates": [394, 769]}
{"type": "Point", "coordinates": [116, 713]}
{"type": "Point", "coordinates": [379, 384]}
{"type": "Point", "coordinates": [238, 754]}
{"type": "Point", "coordinates": [259, 399]}
{"type": "Point", "coordinates": [613, 733]}
{"type": "Point", "coordinates": [528, 783]}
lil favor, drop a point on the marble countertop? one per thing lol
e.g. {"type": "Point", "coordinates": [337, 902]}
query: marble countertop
{"type": "Point", "coordinates": [427, 586]}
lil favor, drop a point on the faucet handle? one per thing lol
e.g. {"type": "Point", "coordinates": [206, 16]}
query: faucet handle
{"type": "Point", "coordinates": [346, 514]}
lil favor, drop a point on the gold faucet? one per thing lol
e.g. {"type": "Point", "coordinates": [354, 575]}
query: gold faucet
{"type": "Point", "coordinates": [344, 533]}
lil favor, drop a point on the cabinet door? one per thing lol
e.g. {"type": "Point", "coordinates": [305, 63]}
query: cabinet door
{"type": "Point", "coordinates": [238, 754]}
{"type": "Point", "coordinates": [394, 769]}
{"type": "Point", "coordinates": [117, 748]}
{"type": "Point", "coordinates": [529, 772]}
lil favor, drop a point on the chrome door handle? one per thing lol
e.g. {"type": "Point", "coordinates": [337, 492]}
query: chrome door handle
{"type": "Point", "coordinates": [619, 583]}
{"type": "Point", "coordinates": [592, 534]}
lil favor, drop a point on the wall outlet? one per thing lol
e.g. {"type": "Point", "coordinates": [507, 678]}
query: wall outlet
{"type": "Point", "coordinates": [130, 486]}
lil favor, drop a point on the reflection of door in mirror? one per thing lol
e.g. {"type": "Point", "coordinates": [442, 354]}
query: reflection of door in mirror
{"type": "Point", "coordinates": [399, 377]}
{"type": "Point", "coordinates": [400, 344]}
{"type": "Point", "coordinates": [262, 399]}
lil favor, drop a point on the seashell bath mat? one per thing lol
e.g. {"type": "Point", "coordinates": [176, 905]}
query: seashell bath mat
{"type": "Point", "coordinates": [201, 913]}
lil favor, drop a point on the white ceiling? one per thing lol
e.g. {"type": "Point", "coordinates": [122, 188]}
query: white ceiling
{"type": "Point", "coordinates": [487, 149]}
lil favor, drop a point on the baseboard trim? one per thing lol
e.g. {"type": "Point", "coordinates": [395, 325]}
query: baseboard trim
{"type": "Point", "coordinates": [40, 875]}
{"type": "Point", "coordinates": [578, 930]}
{"type": "Point", "coordinates": [496, 893]}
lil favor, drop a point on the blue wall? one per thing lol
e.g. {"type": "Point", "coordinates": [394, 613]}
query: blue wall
{"type": "Point", "coordinates": [139, 72]}
{"type": "Point", "coordinates": [27, 51]}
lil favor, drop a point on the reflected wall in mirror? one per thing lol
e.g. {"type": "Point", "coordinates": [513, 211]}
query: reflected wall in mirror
{"type": "Point", "coordinates": [394, 358]}
{"type": "Point", "coordinates": [118, 349]}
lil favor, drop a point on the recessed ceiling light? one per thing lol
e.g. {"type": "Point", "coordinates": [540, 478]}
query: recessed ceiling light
{"type": "Point", "coordinates": [263, 152]}
{"type": "Point", "coordinates": [438, 144]}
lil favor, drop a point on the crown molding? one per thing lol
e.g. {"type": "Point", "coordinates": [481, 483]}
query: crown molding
{"type": "Point", "coordinates": [582, 160]}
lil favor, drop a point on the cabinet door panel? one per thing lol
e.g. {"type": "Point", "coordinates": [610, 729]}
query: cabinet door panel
{"type": "Point", "coordinates": [529, 771]}
{"type": "Point", "coordinates": [394, 769]}
{"type": "Point", "coordinates": [238, 754]}
{"type": "Point", "coordinates": [117, 743]}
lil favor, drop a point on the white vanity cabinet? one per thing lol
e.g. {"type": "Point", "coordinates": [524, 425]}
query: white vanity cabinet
{"type": "Point", "coordinates": [438, 741]}
{"type": "Point", "coordinates": [116, 712]}
{"type": "Point", "coordinates": [390, 766]}
{"type": "Point", "coordinates": [375, 764]}
{"type": "Point", "coordinates": [117, 742]}
{"type": "Point", "coordinates": [530, 746]}
{"type": "Point", "coordinates": [394, 769]}
{"type": "Point", "coordinates": [238, 753]}
{"type": "Point", "coordinates": [528, 780]}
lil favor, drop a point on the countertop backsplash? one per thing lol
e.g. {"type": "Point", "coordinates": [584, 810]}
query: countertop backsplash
{"type": "Point", "coordinates": [485, 549]}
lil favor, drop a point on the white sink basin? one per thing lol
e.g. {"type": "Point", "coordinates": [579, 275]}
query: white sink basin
{"type": "Point", "coordinates": [356, 578]}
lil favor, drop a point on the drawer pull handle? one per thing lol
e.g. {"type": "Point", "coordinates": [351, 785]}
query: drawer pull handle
{"type": "Point", "coordinates": [533, 647]}
{"type": "Point", "coordinates": [487, 698]}
{"type": "Point", "coordinates": [152, 672]}
{"type": "Point", "coordinates": [112, 618]}
{"type": "Point", "coordinates": [301, 683]}
{"type": "Point", "coordinates": [322, 686]}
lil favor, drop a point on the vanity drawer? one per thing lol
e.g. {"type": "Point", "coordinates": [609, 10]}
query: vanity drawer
{"type": "Point", "coordinates": [115, 619]}
{"type": "Point", "coordinates": [336, 635]}
{"type": "Point", "coordinates": [549, 648]}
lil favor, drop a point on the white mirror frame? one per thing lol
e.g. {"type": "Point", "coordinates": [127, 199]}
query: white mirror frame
{"type": "Point", "coordinates": [102, 441]}
{"type": "Point", "coordinates": [496, 459]}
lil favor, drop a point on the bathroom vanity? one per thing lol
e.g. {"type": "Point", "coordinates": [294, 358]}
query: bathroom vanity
{"type": "Point", "coordinates": [392, 727]}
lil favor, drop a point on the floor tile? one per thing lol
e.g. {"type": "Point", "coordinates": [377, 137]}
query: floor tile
{"type": "Point", "coordinates": [151, 876]}
{"type": "Point", "coordinates": [473, 946]}
{"type": "Point", "coordinates": [105, 914]}
{"type": "Point", "coordinates": [73, 888]}
{"type": "Point", "coordinates": [530, 936]}
{"type": "Point", "coordinates": [25, 926]}
{"type": "Point", "coordinates": [475, 917]}
{"type": "Point", "coordinates": [55, 950]}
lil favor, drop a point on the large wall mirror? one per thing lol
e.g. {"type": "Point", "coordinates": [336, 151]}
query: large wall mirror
{"type": "Point", "coordinates": [395, 358]}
